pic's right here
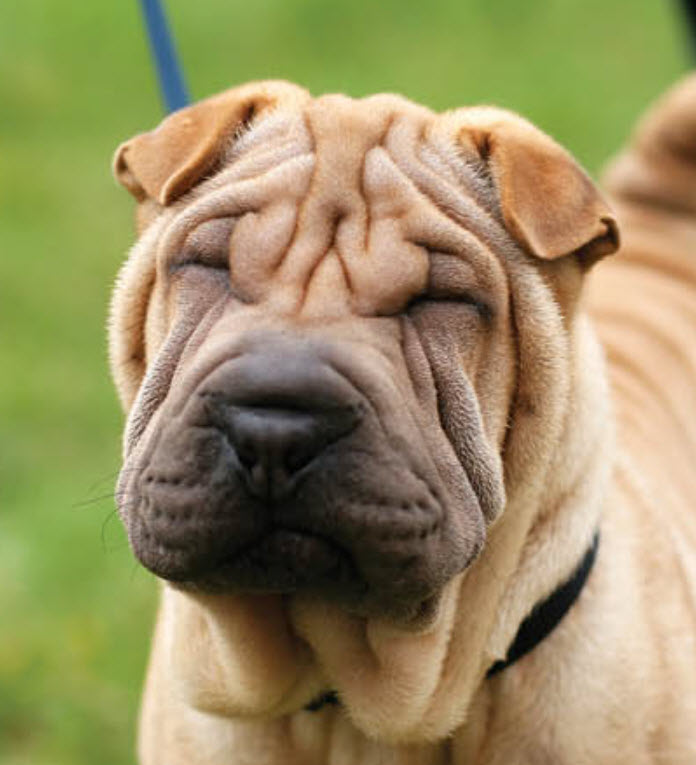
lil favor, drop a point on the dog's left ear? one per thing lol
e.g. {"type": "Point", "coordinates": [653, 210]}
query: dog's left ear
{"type": "Point", "coordinates": [548, 203]}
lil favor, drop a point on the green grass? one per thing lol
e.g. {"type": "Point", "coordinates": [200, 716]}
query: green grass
{"type": "Point", "coordinates": [75, 79]}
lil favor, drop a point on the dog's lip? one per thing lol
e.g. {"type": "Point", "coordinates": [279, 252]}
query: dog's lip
{"type": "Point", "coordinates": [278, 533]}
{"type": "Point", "coordinates": [339, 577]}
{"type": "Point", "coordinates": [312, 553]}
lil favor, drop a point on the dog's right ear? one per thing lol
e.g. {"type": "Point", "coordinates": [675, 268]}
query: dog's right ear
{"type": "Point", "coordinates": [166, 162]}
{"type": "Point", "coordinates": [188, 145]}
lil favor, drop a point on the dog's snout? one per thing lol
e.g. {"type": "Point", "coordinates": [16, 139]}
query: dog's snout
{"type": "Point", "coordinates": [273, 445]}
{"type": "Point", "coordinates": [281, 407]}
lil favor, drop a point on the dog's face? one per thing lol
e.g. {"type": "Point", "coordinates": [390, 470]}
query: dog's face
{"type": "Point", "coordinates": [318, 340]}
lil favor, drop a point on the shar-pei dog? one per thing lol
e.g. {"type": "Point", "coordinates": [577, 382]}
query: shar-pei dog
{"type": "Point", "coordinates": [417, 474]}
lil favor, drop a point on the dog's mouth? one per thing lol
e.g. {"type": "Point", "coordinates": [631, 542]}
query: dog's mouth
{"type": "Point", "coordinates": [283, 560]}
{"type": "Point", "coordinates": [358, 529]}
{"type": "Point", "coordinates": [343, 556]}
{"type": "Point", "coordinates": [287, 561]}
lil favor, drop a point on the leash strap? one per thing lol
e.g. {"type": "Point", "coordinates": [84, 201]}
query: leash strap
{"type": "Point", "coordinates": [172, 86]}
{"type": "Point", "coordinates": [546, 616]}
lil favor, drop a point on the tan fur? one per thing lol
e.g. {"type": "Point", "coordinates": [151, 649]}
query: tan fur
{"type": "Point", "coordinates": [616, 681]}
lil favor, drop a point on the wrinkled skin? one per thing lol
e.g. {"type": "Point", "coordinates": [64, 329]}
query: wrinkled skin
{"type": "Point", "coordinates": [375, 492]}
{"type": "Point", "coordinates": [368, 428]}
{"type": "Point", "coordinates": [301, 443]}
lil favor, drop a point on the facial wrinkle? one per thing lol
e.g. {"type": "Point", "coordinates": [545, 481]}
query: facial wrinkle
{"type": "Point", "coordinates": [452, 201]}
{"type": "Point", "coordinates": [335, 214]}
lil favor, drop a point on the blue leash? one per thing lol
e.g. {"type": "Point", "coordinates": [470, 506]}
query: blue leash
{"type": "Point", "coordinates": [171, 80]}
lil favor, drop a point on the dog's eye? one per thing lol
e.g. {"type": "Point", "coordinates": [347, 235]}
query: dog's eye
{"type": "Point", "coordinates": [452, 280]}
{"type": "Point", "coordinates": [201, 259]}
{"type": "Point", "coordinates": [207, 245]}
{"type": "Point", "coordinates": [434, 297]}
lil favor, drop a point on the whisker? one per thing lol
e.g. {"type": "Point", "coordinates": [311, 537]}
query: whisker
{"type": "Point", "coordinates": [105, 523]}
{"type": "Point", "coordinates": [114, 494]}
{"type": "Point", "coordinates": [93, 501]}
{"type": "Point", "coordinates": [99, 481]}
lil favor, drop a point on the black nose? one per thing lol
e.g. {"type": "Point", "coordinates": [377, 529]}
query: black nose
{"type": "Point", "coordinates": [273, 445]}
{"type": "Point", "coordinates": [281, 406]}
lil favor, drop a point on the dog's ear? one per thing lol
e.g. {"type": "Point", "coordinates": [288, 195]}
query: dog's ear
{"type": "Point", "coordinates": [189, 144]}
{"type": "Point", "coordinates": [166, 162]}
{"type": "Point", "coordinates": [548, 203]}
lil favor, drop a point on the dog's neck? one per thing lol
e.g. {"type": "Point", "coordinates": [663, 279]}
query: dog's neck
{"type": "Point", "coordinates": [570, 497]}
{"type": "Point", "coordinates": [545, 616]}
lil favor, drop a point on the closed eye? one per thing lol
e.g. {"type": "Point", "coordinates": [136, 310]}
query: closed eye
{"type": "Point", "coordinates": [452, 279]}
{"type": "Point", "coordinates": [207, 245]}
{"type": "Point", "coordinates": [431, 297]}
{"type": "Point", "coordinates": [202, 260]}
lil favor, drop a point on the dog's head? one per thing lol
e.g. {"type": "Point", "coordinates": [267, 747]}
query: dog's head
{"type": "Point", "coordinates": [338, 340]}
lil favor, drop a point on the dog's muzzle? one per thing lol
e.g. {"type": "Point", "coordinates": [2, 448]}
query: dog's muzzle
{"type": "Point", "coordinates": [275, 474]}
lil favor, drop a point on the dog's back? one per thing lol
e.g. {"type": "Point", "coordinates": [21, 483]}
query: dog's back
{"type": "Point", "coordinates": [644, 304]}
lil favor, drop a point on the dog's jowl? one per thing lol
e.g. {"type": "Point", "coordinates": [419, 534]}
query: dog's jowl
{"type": "Point", "coordinates": [403, 509]}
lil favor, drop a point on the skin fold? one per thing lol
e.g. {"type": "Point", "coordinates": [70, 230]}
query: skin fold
{"type": "Point", "coordinates": [381, 394]}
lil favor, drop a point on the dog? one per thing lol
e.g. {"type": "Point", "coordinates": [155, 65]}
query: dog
{"type": "Point", "coordinates": [404, 510]}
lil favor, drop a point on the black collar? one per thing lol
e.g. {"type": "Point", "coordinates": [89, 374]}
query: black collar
{"type": "Point", "coordinates": [540, 623]}
{"type": "Point", "coordinates": [547, 614]}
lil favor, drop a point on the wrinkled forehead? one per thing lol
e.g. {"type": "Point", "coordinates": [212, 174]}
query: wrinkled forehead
{"type": "Point", "coordinates": [334, 204]}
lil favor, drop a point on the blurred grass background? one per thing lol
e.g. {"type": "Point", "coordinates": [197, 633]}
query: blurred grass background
{"type": "Point", "coordinates": [76, 79]}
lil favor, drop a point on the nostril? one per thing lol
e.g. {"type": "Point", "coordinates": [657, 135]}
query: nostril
{"type": "Point", "coordinates": [297, 457]}
{"type": "Point", "coordinates": [274, 444]}
{"type": "Point", "coordinates": [246, 454]}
